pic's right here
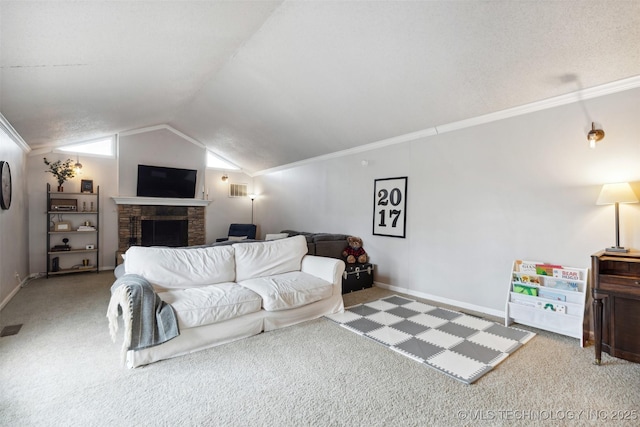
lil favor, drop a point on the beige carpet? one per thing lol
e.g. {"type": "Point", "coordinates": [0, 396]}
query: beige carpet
{"type": "Point", "coordinates": [62, 369]}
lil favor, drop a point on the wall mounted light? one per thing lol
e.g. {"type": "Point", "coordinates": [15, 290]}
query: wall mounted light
{"type": "Point", "coordinates": [225, 177]}
{"type": "Point", "coordinates": [594, 135]}
{"type": "Point", "coordinates": [616, 194]}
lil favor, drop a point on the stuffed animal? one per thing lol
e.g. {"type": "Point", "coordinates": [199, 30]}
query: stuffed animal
{"type": "Point", "coordinates": [354, 252]}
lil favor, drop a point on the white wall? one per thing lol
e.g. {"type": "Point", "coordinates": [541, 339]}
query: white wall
{"type": "Point", "coordinates": [478, 198]}
{"type": "Point", "coordinates": [13, 222]}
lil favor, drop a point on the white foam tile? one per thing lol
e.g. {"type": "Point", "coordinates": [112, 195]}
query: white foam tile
{"type": "Point", "coordinates": [427, 320]}
{"type": "Point", "coordinates": [344, 317]}
{"type": "Point", "coordinates": [418, 306]}
{"type": "Point", "coordinates": [473, 322]}
{"type": "Point", "coordinates": [456, 364]}
{"type": "Point", "coordinates": [385, 318]}
{"type": "Point", "coordinates": [495, 342]}
{"type": "Point", "coordinates": [381, 305]}
{"type": "Point", "coordinates": [389, 335]}
{"type": "Point", "coordinates": [439, 338]}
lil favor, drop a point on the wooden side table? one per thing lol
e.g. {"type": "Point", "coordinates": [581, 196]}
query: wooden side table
{"type": "Point", "coordinates": [616, 304]}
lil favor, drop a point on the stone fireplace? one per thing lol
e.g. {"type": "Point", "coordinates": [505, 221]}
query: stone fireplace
{"type": "Point", "coordinates": [149, 221]}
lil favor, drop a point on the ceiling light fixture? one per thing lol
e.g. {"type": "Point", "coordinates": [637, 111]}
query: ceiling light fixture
{"type": "Point", "coordinates": [78, 165]}
{"type": "Point", "coordinates": [594, 135]}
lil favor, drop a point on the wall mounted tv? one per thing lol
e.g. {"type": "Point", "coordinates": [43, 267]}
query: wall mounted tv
{"type": "Point", "coordinates": [159, 181]}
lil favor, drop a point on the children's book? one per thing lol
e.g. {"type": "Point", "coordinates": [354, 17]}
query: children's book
{"type": "Point", "coordinates": [546, 269]}
{"type": "Point", "coordinates": [565, 285]}
{"type": "Point", "coordinates": [523, 278]}
{"type": "Point", "coordinates": [526, 267]}
{"type": "Point", "coordinates": [526, 290]}
{"type": "Point", "coordinates": [566, 273]}
{"type": "Point", "coordinates": [556, 296]}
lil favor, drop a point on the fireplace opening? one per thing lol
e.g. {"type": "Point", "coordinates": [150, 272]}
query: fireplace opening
{"type": "Point", "coordinates": [171, 233]}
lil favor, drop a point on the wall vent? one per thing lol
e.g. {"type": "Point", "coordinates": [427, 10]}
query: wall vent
{"type": "Point", "coordinates": [237, 190]}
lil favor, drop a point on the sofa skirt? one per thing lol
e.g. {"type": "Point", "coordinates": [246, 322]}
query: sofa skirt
{"type": "Point", "coordinates": [202, 337]}
{"type": "Point", "coordinates": [199, 338]}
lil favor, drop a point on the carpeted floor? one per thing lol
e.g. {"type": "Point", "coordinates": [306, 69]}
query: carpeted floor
{"type": "Point", "coordinates": [62, 369]}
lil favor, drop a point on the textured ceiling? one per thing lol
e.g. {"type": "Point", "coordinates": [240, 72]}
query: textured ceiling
{"type": "Point", "coordinates": [270, 83]}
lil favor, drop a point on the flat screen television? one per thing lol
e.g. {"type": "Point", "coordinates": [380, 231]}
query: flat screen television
{"type": "Point", "coordinates": [159, 181]}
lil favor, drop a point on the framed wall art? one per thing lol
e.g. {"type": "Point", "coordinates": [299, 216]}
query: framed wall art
{"type": "Point", "coordinates": [390, 207]}
{"type": "Point", "coordinates": [86, 186]}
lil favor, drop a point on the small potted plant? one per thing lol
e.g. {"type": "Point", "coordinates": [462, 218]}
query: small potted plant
{"type": "Point", "coordinates": [61, 170]}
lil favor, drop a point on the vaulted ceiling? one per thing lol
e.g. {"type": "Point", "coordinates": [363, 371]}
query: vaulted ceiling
{"type": "Point", "coordinates": [268, 83]}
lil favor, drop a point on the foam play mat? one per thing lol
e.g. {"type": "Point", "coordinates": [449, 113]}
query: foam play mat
{"type": "Point", "coordinates": [462, 346]}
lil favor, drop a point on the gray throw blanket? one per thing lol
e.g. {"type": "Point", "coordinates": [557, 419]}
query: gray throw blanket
{"type": "Point", "coordinates": [148, 320]}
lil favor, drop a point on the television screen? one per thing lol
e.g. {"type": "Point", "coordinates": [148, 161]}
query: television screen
{"type": "Point", "coordinates": [159, 181]}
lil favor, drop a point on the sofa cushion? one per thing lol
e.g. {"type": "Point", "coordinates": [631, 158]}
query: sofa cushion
{"type": "Point", "coordinates": [288, 290]}
{"type": "Point", "coordinates": [323, 237]}
{"type": "Point", "coordinates": [268, 258]}
{"type": "Point", "coordinates": [308, 236]}
{"type": "Point", "coordinates": [211, 304]}
{"type": "Point", "coordinates": [179, 268]}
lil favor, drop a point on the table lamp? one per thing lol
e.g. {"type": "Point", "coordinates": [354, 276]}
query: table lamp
{"type": "Point", "coordinates": [616, 194]}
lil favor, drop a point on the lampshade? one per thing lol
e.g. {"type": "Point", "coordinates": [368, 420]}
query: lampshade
{"type": "Point", "coordinates": [616, 193]}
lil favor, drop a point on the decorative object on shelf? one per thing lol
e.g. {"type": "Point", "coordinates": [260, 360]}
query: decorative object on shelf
{"type": "Point", "coordinates": [61, 170]}
{"type": "Point", "coordinates": [594, 136]}
{"type": "Point", "coordinates": [86, 186]}
{"type": "Point", "coordinates": [5, 187]}
{"type": "Point", "coordinates": [389, 207]}
{"type": "Point", "coordinates": [63, 205]}
{"type": "Point", "coordinates": [616, 194]}
{"type": "Point", "coordinates": [62, 226]}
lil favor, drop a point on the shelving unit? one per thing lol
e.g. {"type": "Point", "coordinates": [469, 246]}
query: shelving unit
{"type": "Point", "coordinates": [73, 210]}
{"type": "Point", "coordinates": [548, 296]}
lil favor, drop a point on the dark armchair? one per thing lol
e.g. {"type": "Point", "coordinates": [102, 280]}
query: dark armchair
{"type": "Point", "coordinates": [240, 230]}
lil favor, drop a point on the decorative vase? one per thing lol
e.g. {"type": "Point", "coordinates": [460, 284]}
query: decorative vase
{"type": "Point", "coordinates": [60, 189]}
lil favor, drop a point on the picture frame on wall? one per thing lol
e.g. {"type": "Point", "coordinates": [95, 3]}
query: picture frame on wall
{"type": "Point", "coordinates": [390, 207]}
{"type": "Point", "coordinates": [86, 186]}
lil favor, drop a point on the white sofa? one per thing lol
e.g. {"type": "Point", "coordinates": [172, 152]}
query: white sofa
{"type": "Point", "coordinates": [224, 293]}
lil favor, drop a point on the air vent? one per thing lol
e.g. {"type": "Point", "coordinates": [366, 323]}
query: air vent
{"type": "Point", "coordinates": [237, 190]}
{"type": "Point", "coordinates": [10, 330]}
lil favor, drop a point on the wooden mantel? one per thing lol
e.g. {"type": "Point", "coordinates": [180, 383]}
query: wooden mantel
{"type": "Point", "coordinates": [160, 201]}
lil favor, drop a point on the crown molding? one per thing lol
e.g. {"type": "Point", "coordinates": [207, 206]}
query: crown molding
{"type": "Point", "coordinates": [556, 101]}
{"type": "Point", "coordinates": [359, 149]}
{"type": "Point", "coordinates": [13, 134]}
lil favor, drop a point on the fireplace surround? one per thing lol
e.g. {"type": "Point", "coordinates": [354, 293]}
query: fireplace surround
{"type": "Point", "coordinates": [172, 222]}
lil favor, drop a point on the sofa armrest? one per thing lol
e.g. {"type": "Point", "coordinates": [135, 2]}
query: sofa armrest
{"type": "Point", "coordinates": [329, 269]}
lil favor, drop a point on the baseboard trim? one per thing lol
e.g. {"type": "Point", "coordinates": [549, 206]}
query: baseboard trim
{"type": "Point", "coordinates": [435, 298]}
{"type": "Point", "coordinates": [10, 296]}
